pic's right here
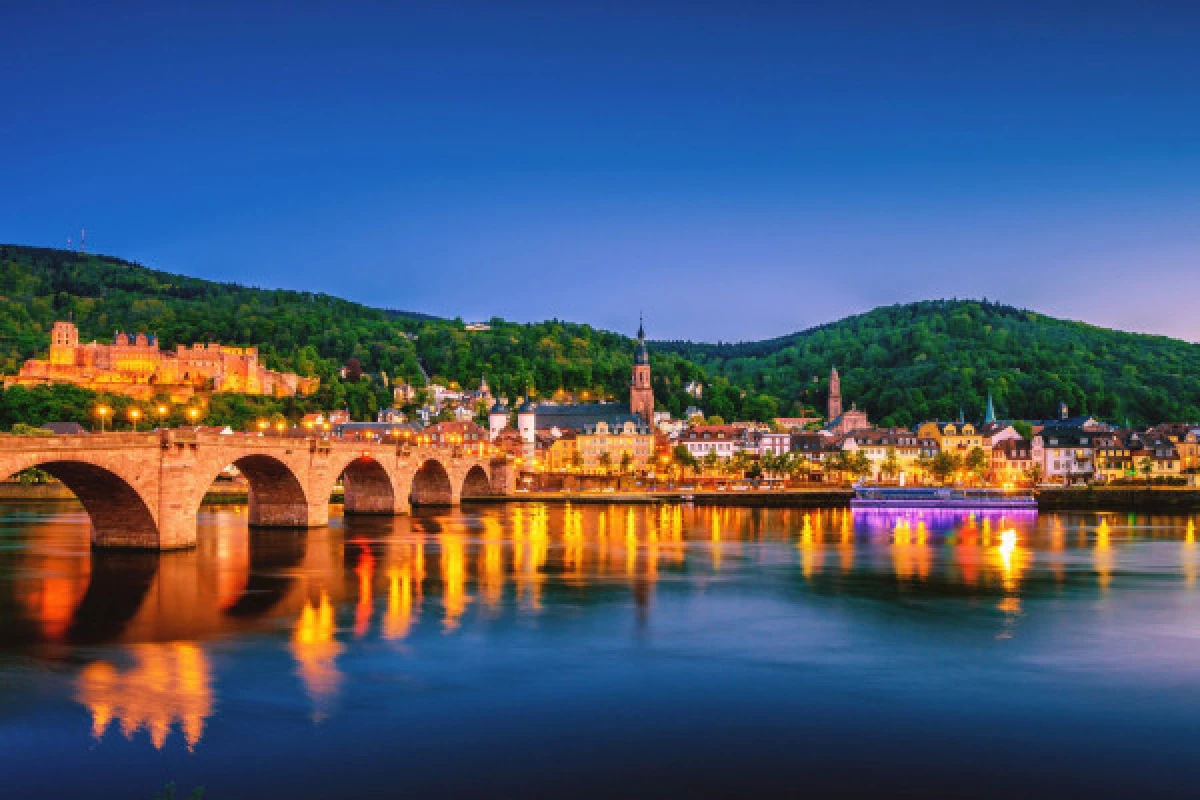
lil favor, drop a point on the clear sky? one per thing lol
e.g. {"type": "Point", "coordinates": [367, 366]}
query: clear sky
{"type": "Point", "coordinates": [735, 170]}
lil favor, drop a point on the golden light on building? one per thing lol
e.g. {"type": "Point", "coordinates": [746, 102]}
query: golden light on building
{"type": "Point", "coordinates": [169, 684]}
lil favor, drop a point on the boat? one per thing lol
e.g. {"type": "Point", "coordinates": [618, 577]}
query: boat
{"type": "Point", "coordinates": [916, 497]}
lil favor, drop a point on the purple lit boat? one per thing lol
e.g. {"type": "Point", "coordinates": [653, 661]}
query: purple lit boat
{"type": "Point", "coordinates": [893, 497]}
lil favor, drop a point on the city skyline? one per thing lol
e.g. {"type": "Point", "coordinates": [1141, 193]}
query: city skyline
{"type": "Point", "coordinates": [706, 155]}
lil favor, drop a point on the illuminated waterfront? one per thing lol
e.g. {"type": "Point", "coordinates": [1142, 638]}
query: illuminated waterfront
{"type": "Point", "coordinates": [681, 649]}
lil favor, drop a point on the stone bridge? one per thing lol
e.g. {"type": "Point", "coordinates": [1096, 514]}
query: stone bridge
{"type": "Point", "coordinates": [143, 490]}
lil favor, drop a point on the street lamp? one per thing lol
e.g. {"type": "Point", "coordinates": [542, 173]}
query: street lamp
{"type": "Point", "coordinates": [193, 414]}
{"type": "Point", "coordinates": [134, 415]}
{"type": "Point", "coordinates": [262, 425]}
{"type": "Point", "coordinates": [103, 412]}
{"type": "Point", "coordinates": [279, 426]}
{"type": "Point", "coordinates": [162, 412]}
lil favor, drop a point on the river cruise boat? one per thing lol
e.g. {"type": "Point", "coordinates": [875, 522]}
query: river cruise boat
{"type": "Point", "coordinates": [935, 497]}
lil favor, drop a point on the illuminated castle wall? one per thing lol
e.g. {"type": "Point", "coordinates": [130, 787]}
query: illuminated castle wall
{"type": "Point", "coordinates": [134, 365]}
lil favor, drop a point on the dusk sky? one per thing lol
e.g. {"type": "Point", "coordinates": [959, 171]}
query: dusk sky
{"type": "Point", "coordinates": [734, 170]}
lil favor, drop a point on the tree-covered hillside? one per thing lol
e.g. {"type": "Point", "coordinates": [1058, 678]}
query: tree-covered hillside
{"type": "Point", "coordinates": [906, 363]}
{"type": "Point", "coordinates": [315, 334]}
{"type": "Point", "coordinates": [902, 363]}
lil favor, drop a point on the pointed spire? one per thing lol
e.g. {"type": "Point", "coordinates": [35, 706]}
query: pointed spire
{"type": "Point", "coordinates": [641, 355]}
{"type": "Point", "coordinates": [961, 416]}
{"type": "Point", "coordinates": [990, 416]}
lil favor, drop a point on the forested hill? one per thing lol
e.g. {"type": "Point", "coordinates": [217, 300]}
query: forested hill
{"type": "Point", "coordinates": [906, 363]}
{"type": "Point", "coordinates": [901, 363]}
{"type": "Point", "coordinates": [315, 334]}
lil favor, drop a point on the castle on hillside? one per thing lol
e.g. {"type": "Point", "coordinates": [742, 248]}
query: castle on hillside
{"type": "Point", "coordinates": [134, 365]}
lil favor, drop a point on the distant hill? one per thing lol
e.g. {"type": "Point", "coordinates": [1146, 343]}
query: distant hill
{"type": "Point", "coordinates": [312, 333]}
{"type": "Point", "coordinates": [906, 363]}
{"type": "Point", "coordinates": [901, 363]}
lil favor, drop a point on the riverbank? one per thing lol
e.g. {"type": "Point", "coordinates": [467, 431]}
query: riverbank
{"type": "Point", "coordinates": [786, 498]}
{"type": "Point", "coordinates": [1102, 498]}
{"type": "Point", "coordinates": [1093, 498]}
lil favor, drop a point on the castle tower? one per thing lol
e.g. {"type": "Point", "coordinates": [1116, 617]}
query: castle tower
{"type": "Point", "coordinates": [835, 395]}
{"type": "Point", "coordinates": [497, 419]}
{"type": "Point", "coordinates": [64, 338]}
{"type": "Point", "coordinates": [641, 394]}
{"type": "Point", "coordinates": [527, 421]}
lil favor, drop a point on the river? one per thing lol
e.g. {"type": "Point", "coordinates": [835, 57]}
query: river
{"type": "Point", "coordinates": [547, 650]}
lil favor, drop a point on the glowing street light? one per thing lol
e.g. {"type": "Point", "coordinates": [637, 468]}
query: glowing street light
{"type": "Point", "coordinates": [134, 415]}
{"type": "Point", "coordinates": [103, 411]}
{"type": "Point", "coordinates": [262, 425]}
{"type": "Point", "coordinates": [193, 414]}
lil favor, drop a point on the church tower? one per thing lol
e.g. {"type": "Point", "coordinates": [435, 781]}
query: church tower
{"type": "Point", "coordinates": [835, 395]}
{"type": "Point", "coordinates": [641, 395]}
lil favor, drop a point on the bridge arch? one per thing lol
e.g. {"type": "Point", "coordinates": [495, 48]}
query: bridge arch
{"type": "Point", "coordinates": [276, 497]}
{"type": "Point", "coordinates": [477, 482]}
{"type": "Point", "coordinates": [368, 487]}
{"type": "Point", "coordinates": [117, 509]}
{"type": "Point", "coordinates": [431, 485]}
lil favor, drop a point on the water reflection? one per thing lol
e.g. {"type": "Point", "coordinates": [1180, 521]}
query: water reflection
{"type": "Point", "coordinates": [167, 684]}
{"type": "Point", "coordinates": [314, 595]}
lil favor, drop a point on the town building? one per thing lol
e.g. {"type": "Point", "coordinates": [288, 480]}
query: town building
{"type": "Point", "coordinates": [894, 453]}
{"type": "Point", "coordinates": [1013, 461]}
{"type": "Point", "coordinates": [722, 440]}
{"type": "Point", "coordinates": [958, 437]}
{"type": "Point", "coordinates": [1067, 454]}
{"type": "Point", "coordinates": [135, 366]}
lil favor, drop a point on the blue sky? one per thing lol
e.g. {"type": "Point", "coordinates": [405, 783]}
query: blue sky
{"type": "Point", "coordinates": [734, 170]}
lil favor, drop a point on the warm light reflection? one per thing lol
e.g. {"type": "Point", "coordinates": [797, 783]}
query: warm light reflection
{"type": "Point", "coordinates": [1189, 553]}
{"type": "Point", "coordinates": [316, 649]}
{"type": "Point", "coordinates": [405, 572]}
{"type": "Point", "coordinates": [169, 683]}
{"type": "Point", "coordinates": [1103, 556]}
{"type": "Point", "coordinates": [454, 579]}
{"type": "Point", "coordinates": [366, 603]}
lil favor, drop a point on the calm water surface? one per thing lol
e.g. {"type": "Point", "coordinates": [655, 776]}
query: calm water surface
{"type": "Point", "coordinates": [531, 650]}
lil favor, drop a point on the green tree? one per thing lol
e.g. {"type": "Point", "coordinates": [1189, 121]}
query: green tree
{"type": "Point", "coordinates": [890, 466]}
{"type": "Point", "coordinates": [977, 463]}
{"type": "Point", "coordinates": [944, 465]}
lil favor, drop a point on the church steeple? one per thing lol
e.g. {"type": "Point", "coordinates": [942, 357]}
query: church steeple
{"type": "Point", "coordinates": [835, 395]}
{"type": "Point", "coordinates": [641, 355]}
{"type": "Point", "coordinates": [990, 416]}
{"type": "Point", "coordinates": [641, 395]}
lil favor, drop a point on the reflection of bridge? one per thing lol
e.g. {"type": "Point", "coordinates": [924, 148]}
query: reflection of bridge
{"type": "Point", "coordinates": [143, 490]}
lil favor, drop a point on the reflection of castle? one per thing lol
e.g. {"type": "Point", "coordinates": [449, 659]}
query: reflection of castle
{"type": "Point", "coordinates": [169, 684]}
{"type": "Point", "coordinates": [134, 365]}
